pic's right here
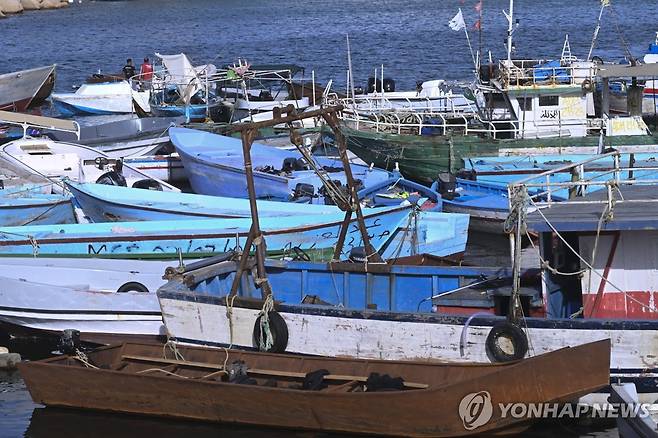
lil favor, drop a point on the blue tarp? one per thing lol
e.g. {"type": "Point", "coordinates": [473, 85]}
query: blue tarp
{"type": "Point", "coordinates": [551, 70]}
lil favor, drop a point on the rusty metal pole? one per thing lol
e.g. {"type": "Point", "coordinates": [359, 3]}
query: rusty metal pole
{"type": "Point", "coordinates": [248, 137]}
{"type": "Point", "coordinates": [332, 121]}
{"type": "Point", "coordinates": [244, 258]}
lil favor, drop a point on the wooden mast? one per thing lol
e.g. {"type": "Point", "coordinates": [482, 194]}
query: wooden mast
{"type": "Point", "coordinates": [249, 132]}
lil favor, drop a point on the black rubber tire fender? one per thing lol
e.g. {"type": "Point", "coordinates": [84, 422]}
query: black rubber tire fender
{"type": "Point", "coordinates": [512, 334]}
{"type": "Point", "coordinates": [279, 330]}
{"type": "Point", "coordinates": [133, 286]}
{"type": "Point", "coordinates": [587, 86]}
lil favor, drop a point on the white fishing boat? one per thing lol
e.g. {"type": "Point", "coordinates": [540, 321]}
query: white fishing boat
{"type": "Point", "coordinates": [29, 306]}
{"type": "Point", "coordinates": [102, 98]}
{"type": "Point", "coordinates": [57, 160]}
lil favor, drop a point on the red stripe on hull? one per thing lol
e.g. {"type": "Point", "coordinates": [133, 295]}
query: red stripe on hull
{"type": "Point", "coordinates": [617, 305]}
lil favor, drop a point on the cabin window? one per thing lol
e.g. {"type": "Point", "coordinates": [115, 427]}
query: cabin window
{"type": "Point", "coordinates": [549, 100]}
{"type": "Point", "coordinates": [496, 100]}
{"type": "Point", "coordinates": [525, 104]}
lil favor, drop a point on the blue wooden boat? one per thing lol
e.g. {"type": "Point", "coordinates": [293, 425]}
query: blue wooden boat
{"type": "Point", "coordinates": [307, 236]}
{"type": "Point", "coordinates": [509, 169]}
{"type": "Point", "coordinates": [486, 199]}
{"type": "Point", "coordinates": [424, 231]}
{"type": "Point", "coordinates": [191, 112]}
{"type": "Point", "coordinates": [215, 166]}
{"type": "Point", "coordinates": [487, 204]}
{"type": "Point", "coordinates": [28, 205]}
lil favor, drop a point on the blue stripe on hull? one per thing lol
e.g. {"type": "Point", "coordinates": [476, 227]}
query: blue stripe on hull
{"type": "Point", "coordinates": [68, 110]}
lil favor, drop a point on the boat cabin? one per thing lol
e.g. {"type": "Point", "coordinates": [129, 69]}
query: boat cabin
{"type": "Point", "coordinates": [537, 98]}
{"type": "Point", "coordinates": [599, 252]}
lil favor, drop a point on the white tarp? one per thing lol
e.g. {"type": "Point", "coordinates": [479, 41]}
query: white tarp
{"type": "Point", "coordinates": [184, 75]}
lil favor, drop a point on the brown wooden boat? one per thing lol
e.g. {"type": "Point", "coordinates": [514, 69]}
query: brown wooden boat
{"type": "Point", "coordinates": [287, 391]}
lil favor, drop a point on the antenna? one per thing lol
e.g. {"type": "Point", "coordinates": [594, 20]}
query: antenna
{"type": "Point", "coordinates": [510, 30]}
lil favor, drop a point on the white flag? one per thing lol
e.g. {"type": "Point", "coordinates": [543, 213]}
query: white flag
{"type": "Point", "coordinates": [457, 23]}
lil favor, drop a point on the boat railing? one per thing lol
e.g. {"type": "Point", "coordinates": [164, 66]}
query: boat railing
{"type": "Point", "coordinates": [441, 123]}
{"type": "Point", "coordinates": [441, 104]}
{"type": "Point", "coordinates": [528, 73]}
{"type": "Point", "coordinates": [27, 121]}
{"type": "Point", "coordinates": [604, 171]}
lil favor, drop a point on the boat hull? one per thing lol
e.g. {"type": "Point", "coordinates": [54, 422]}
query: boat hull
{"type": "Point", "coordinates": [198, 315]}
{"type": "Point", "coordinates": [53, 308]}
{"type": "Point", "coordinates": [24, 89]}
{"type": "Point", "coordinates": [64, 382]}
{"type": "Point", "coordinates": [45, 210]}
{"type": "Point", "coordinates": [201, 238]}
{"type": "Point", "coordinates": [422, 158]}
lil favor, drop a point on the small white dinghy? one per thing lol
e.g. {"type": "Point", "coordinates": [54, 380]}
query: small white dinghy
{"type": "Point", "coordinates": [100, 99]}
{"type": "Point", "coordinates": [58, 160]}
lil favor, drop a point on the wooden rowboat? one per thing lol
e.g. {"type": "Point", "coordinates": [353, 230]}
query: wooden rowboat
{"type": "Point", "coordinates": [314, 393]}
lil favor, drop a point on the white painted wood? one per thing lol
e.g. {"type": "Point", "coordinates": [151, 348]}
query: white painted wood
{"type": "Point", "coordinates": [391, 340]}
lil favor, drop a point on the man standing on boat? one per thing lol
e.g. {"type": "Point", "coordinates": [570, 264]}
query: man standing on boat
{"type": "Point", "coordinates": [129, 69]}
{"type": "Point", "coordinates": [146, 70]}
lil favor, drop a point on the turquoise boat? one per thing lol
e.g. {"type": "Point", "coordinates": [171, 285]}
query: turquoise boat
{"type": "Point", "coordinates": [311, 236]}
{"type": "Point", "coordinates": [423, 231]}
{"type": "Point", "coordinates": [28, 205]}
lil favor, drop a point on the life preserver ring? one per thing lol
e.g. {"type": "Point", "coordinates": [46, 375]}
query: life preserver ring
{"type": "Point", "coordinates": [587, 86]}
{"type": "Point", "coordinates": [506, 342]}
{"type": "Point", "coordinates": [278, 329]}
{"type": "Point", "coordinates": [133, 286]}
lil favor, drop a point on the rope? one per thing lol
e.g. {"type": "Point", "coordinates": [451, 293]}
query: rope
{"type": "Point", "coordinates": [40, 215]}
{"type": "Point", "coordinates": [265, 343]}
{"type": "Point", "coordinates": [332, 190]}
{"type": "Point", "coordinates": [413, 216]}
{"type": "Point", "coordinates": [82, 357]}
{"type": "Point", "coordinates": [172, 346]}
{"type": "Point", "coordinates": [518, 210]}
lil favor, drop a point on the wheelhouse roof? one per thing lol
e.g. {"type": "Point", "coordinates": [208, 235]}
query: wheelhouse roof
{"type": "Point", "coordinates": [635, 208]}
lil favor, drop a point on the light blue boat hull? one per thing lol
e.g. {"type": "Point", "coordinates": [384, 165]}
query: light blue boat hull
{"type": "Point", "coordinates": [215, 166]}
{"type": "Point", "coordinates": [316, 235]}
{"type": "Point", "coordinates": [25, 207]}
{"type": "Point", "coordinates": [422, 232]}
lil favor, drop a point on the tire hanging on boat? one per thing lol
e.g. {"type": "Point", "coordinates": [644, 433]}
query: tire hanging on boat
{"type": "Point", "coordinates": [133, 286]}
{"type": "Point", "coordinates": [587, 86]}
{"type": "Point", "coordinates": [510, 334]}
{"type": "Point", "coordinates": [277, 328]}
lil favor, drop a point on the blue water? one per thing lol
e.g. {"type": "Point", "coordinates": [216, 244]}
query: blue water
{"type": "Point", "coordinates": [410, 38]}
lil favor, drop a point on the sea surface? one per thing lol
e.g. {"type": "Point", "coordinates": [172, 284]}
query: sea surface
{"type": "Point", "coordinates": [409, 38]}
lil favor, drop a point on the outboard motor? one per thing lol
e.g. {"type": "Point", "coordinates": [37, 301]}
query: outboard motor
{"type": "Point", "coordinates": [389, 85]}
{"type": "Point", "coordinates": [447, 185]}
{"type": "Point", "coordinates": [147, 184]}
{"type": "Point", "coordinates": [69, 341]}
{"type": "Point", "coordinates": [303, 190]}
{"type": "Point", "coordinates": [358, 254]}
{"type": "Point", "coordinates": [468, 174]}
{"type": "Point", "coordinates": [372, 86]}
{"type": "Point", "coordinates": [292, 164]}
{"type": "Point", "coordinates": [112, 178]}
